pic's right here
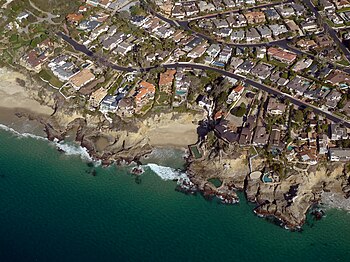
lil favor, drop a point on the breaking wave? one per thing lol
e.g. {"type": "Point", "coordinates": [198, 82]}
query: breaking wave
{"type": "Point", "coordinates": [73, 149]}
{"type": "Point", "coordinates": [167, 173]}
{"type": "Point", "coordinates": [18, 134]}
{"type": "Point", "coordinates": [69, 149]}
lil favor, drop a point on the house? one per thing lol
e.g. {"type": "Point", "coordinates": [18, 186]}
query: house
{"type": "Point", "coordinates": [247, 132]}
{"type": "Point", "coordinates": [341, 4]}
{"type": "Point", "coordinates": [220, 23]}
{"type": "Point", "coordinates": [204, 102]}
{"type": "Point", "coordinates": [309, 26]}
{"type": "Point", "coordinates": [213, 50]}
{"type": "Point", "coordinates": [236, 20]}
{"type": "Point", "coordinates": [333, 98]}
{"type": "Point", "coordinates": [178, 11]}
{"type": "Point", "coordinates": [97, 97]}
{"type": "Point", "coordinates": [205, 6]}
{"type": "Point", "coordinates": [293, 27]}
{"type": "Point", "coordinates": [275, 143]}
{"type": "Point", "coordinates": [126, 106]}
{"type": "Point", "coordinates": [281, 55]}
{"type": "Point", "coordinates": [197, 51]}
{"type": "Point", "coordinates": [82, 78]}
{"type": "Point", "coordinates": [236, 61]}
{"type": "Point", "coordinates": [327, 5]}
{"type": "Point", "coordinates": [339, 154]}
{"type": "Point", "coordinates": [109, 104]}
{"type": "Point", "coordinates": [245, 67]}
{"type": "Point", "coordinates": [223, 32]}
{"type": "Point", "coordinates": [63, 68]}
{"type": "Point", "coordinates": [144, 93]}
{"type": "Point", "coordinates": [229, 3]}
{"type": "Point", "coordinates": [278, 79]}
{"type": "Point", "coordinates": [237, 35]}
{"type": "Point", "coordinates": [306, 44]}
{"type": "Point", "coordinates": [324, 41]}
{"type": "Point", "coordinates": [123, 48]}
{"type": "Point", "coordinates": [260, 52]}
{"type": "Point", "coordinates": [271, 14]}
{"type": "Point", "coordinates": [227, 131]}
{"type": "Point", "coordinates": [255, 17]}
{"type": "Point", "coordinates": [112, 42]}
{"type": "Point", "coordinates": [93, 2]}
{"type": "Point", "coordinates": [264, 31]}
{"type": "Point", "coordinates": [21, 16]}
{"type": "Point", "coordinates": [87, 25]}
{"type": "Point", "coordinates": [225, 54]}
{"type": "Point", "coordinates": [35, 58]}
{"type": "Point", "coordinates": [302, 64]}
{"type": "Point", "coordinates": [338, 132]}
{"type": "Point", "coordinates": [190, 8]}
{"type": "Point", "coordinates": [252, 35]}
{"type": "Point", "coordinates": [274, 107]}
{"type": "Point", "coordinates": [166, 80]}
{"type": "Point", "coordinates": [299, 85]}
{"type": "Point", "coordinates": [278, 29]}
{"type": "Point", "coordinates": [262, 71]}
{"type": "Point", "coordinates": [285, 11]}
{"type": "Point", "coordinates": [235, 94]}
{"type": "Point", "coordinates": [192, 44]}
{"type": "Point", "coordinates": [298, 8]}
{"type": "Point", "coordinates": [74, 18]}
{"type": "Point", "coordinates": [177, 36]}
{"type": "Point", "coordinates": [338, 77]}
{"type": "Point", "coordinates": [323, 144]}
{"type": "Point", "coordinates": [261, 137]}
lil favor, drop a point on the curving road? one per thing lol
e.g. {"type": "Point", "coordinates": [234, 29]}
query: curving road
{"type": "Point", "coordinates": [105, 62]}
{"type": "Point", "coordinates": [329, 29]}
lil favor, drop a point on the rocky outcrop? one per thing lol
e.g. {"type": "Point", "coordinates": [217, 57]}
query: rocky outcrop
{"type": "Point", "coordinates": [288, 200]}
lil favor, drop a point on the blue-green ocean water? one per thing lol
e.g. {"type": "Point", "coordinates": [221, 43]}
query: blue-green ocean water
{"type": "Point", "coordinates": [53, 209]}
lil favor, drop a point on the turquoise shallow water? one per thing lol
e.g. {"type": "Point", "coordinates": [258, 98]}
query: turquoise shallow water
{"type": "Point", "coordinates": [53, 209]}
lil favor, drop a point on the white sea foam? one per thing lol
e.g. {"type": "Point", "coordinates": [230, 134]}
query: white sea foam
{"type": "Point", "coordinates": [167, 173]}
{"type": "Point", "coordinates": [73, 149]}
{"type": "Point", "coordinates": [69, 149]}
{"type": "Point", "coordinates": [18, 134]}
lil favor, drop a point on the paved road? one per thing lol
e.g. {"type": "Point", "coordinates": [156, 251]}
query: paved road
{"type": "Point", "coordinates": [263, 87]}
{"type": "Point", "coordinates": [329, 29]}
{"type": "Point", "coordinates": [104, 61]}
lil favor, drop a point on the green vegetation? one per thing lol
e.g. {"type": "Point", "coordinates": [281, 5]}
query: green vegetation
{"type": "Point", "coordinates": [49, 77]}
{"type": "Point", "coordinates": [239, 111]}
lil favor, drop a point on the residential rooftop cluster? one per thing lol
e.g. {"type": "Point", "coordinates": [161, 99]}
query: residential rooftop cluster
{"type": "Point", "coordinates": [265, 24]}
{"type": "Point", "coordinates": [187, 9]}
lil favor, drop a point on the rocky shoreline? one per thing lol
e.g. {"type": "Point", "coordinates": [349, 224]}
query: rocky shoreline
{"type": "Point", "coordinates": [124, 143]}
{"type": "Point", "coordinates": [286, 202]}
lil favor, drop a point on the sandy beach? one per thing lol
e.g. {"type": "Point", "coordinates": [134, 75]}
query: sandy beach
{"type": "Point", "coordinates": [15, 96]}
{"type": "Point", "coordinates": [174, 135]}
{"type": "Point", "coordinates": [165, 131]}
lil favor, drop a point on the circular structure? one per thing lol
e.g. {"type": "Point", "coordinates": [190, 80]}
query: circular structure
{"type": "Point", "coordinates": [255, 175]}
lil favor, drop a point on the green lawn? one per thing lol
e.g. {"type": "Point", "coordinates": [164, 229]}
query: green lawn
{"type": "Point", "coordinates": [48, 76]}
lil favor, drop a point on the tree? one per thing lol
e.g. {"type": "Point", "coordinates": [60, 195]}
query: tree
{"type": "Point", "coordinates": [239, 111]}
{"type": "Point", "coordinates": [298, 116]}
